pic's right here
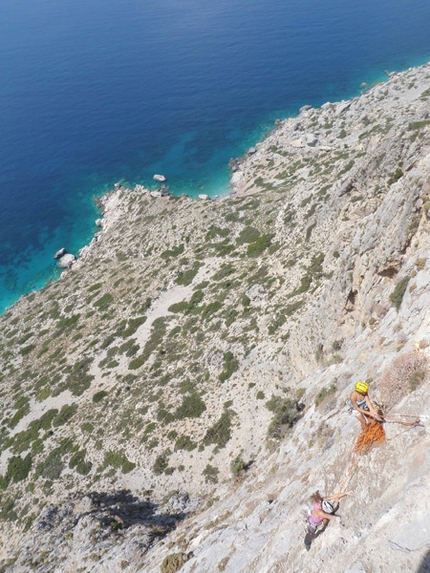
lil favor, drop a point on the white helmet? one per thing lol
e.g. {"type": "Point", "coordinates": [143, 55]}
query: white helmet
{"type": "Point", "coordinates": [327, 506]}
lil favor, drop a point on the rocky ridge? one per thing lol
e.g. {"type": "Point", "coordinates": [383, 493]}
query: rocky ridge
{"type": "Point", "coordinates": [151, 365]}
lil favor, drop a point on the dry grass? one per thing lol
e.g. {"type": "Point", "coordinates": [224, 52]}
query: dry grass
{"type": "Point", "coordinates": [406, 373]}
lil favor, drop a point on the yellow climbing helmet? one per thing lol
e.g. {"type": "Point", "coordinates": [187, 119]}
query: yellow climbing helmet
{"type": "Point", "coordinates": [361, 387]}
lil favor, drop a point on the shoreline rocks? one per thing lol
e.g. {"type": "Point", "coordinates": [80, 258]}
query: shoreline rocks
{"type": "Point", "coordinates": [66, 261]}
{"type": "Point", "coordinates": [60, 253]}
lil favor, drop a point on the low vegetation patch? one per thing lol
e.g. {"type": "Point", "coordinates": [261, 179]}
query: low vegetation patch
{"type": "Point", "coordinates": [397, 295]}
{"type": "Point", "coordinates": [173, 562]}
{"type": "Point", "coordinates": [286, 412]}
{"type": "Point", "coordinates": [118, 460]}
{"type": "Point", "coordinates": [211, 474]}
{"type": "Point", "coordinates": [220, 432]}
{"type": "Point", "coordinates": [258, 247]}
{"type": "Point", "coordinates": [231, 365]}
{"type": "Point", "coordinates": [192, 407]}
{"type": "Point", "coordinates": [324, 392]}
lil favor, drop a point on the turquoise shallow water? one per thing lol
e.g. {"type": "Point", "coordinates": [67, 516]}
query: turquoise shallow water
{"type": "Point", "coordinates": [95, 92]}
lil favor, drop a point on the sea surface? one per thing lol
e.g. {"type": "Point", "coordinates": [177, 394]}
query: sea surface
{"type": "Point", "coordinates": [93, 92]}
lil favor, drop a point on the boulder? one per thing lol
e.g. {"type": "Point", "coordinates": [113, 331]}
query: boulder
{"type": "Point", "coordinates": [304, 109]}
{"type": "Point", "coordinates": [159, 178]}
{"type": "Point", "coordinates": [203, 197]}
{"type": "Point", "coordinates": [236, 178]}
{"type": "Point", "coordinates": [60, 253]}
{"type": "Point", "coordinates": [311, 140]}
{"type": "Point", "coordinates": [66, 261]}
{"type": "Point", "coordinates": [342, 107]}
{"type": "Point", "coordinates": [99, 222]}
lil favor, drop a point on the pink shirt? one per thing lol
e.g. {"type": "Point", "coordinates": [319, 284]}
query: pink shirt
{"type": "Point", "coordinates": [314, 519]}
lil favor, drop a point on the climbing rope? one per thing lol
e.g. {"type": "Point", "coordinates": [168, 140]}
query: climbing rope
{"type": "Point", "coordinates": [410, 426]}
{"type": "Point", "coordinates": [348, 475]}
{"type": "Point", "coordinates": [374, 434]}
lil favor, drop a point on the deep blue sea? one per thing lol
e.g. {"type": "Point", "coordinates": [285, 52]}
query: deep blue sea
{"type": "Point", "coordinates": [94, 91]}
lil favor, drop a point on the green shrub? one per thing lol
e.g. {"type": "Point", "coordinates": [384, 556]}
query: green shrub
{"type": "Point", "coordinates": [158, 331]}
{"type": "Point", "coordinates": [27, 349]}
{"type": "Point", "coordinates": [161, 464]}
{"type": "Point", "coordinates": [215, 231]}
{"type": "Point", "coordinates": [22, 441]}
{"type": "Point", "coordinates": [238, 466]}
{"type": "Point", "coordinates": [286, 412]}
{"type": "Point", "coordinates": [182, 306]}
{"type": "Point", "coordinates": [192, 407]}
{"type": "Point", "coordinates": [65, 414]}
{"type": "Point", "coordinates": [99, 396]}
{"type": "Point", "coordinates": [224, 272]}
{"type": "Point", "coordinates": [171, 253]}
{"type": "Point", "coordinates": [7, 511]}
{"type": "Point", "coordinates": [276, 323]}
{"type": "Point", "coordinates": [210, 309]}
{"type": "Point", "coordinates": [337, 344]}
{"type": "Point", "coordinates": [87, 428]}
{"type": "Point", "coordinates": [118, 460]}
{"type": "Point", "coordinates": [309, 231]}
{"type": "Point", "coordinates": [246, 301]}
{"type": "Point", "coordinates": [185, 278]}
{"type": "Point", "coordinates": [185, 443]}
{"type": "Point", "coordinates": [78, 461]}
{"type": "Point", "coordinates": [68, 322]}
{"type": "Point", "coordinates": [132, 325]}
{"type": "Point", "coordinates": [18, 468]}
{"type": "Point", "coordinates": [52, 466]}
{"type": "Point", "coordinates": [248, 235]}
{"type": "Point", "coordinates": [419, 124]}
{"type": "Point", "coordinates": [23, 407]}
{"type": "Point", "coordinates": [104, 302]}
{"type": "Point", "coordinates": [259, 246]}
{"type": "Point", "coordinates": [220, 432]}
{"type": "Point", "coordinates": [129, 348]}
{"type": "Point", "coordinates": [78, 379]}
{"type": "Point", "coordinates": [347, 167]}
{"type": "Point", "coordinates": [260, 395]}
{"type": "Point", "coordinates": [396, 296]}
{"type": "Point", "coordinates": [398, 174]}
{"type": "Point", "coordinates": [231, 365]}
{"type": "Point", "coordinates": [211, 474]}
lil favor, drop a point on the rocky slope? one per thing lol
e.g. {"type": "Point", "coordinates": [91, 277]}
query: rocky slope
{"type": "Point", "coordinates": [176, 397]}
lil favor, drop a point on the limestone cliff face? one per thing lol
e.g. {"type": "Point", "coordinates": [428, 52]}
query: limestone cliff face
{"type": "Point", "coordinates": [181, 390]}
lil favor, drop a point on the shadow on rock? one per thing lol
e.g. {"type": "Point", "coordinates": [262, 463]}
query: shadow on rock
{"type": "Point", "coordinates": [425, 564]}
{"type": "Point", "coordinates": [117, 510]}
